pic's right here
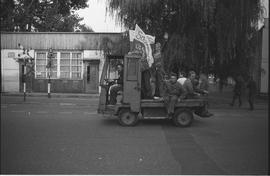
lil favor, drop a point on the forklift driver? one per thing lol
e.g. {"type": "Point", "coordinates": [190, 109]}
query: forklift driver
{"type": "Point", "coordinates": [118, 86]}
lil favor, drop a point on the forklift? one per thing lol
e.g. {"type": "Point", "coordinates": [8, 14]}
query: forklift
{"type": "Point", "coordinates": [130, 107]}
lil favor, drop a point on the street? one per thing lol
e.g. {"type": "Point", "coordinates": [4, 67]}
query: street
{"type": "Point", "coordinates": [67, 136]}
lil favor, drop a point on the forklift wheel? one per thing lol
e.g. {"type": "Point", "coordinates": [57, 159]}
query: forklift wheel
{"type": "Point", "coordinates": [127, 118]}
{"type": "Point", "coordinates": [183, 117]}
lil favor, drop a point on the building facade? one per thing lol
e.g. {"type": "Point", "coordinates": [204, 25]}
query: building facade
{"type": "Point", "coordinates": [264, 87]}
{"type": "Point", "coordinates": [76, 65]}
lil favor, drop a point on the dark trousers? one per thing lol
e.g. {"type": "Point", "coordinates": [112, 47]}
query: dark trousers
{"type": "Point", "coordinates": [113, 93]}
{"type": "Point", "coordinates": [251, 98]}
{"type": "Point", "coordinates": [146, 92]}
{"type": "Point", "coordinates": [170, 102]}
{"type": "Point", "coordinates": [201, 111]}
{"type": "Point", "coordinates": [237, 96]}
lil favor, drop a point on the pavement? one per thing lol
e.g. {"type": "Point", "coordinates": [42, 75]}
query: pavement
{"type": "Point", "coordinates": [56, 95]}
{"type": "Point", "coordinates": [216, 98]}
{"type": "Point", "coordinates": [65, 135]}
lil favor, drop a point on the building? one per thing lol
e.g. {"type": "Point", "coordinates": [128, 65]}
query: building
{"type": "Point", "coordinates": [76, 66]}
{"type": "Point", "coordinates": [264, 87]}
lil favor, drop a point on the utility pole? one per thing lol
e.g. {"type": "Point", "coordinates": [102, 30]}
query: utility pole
{"type": "Point", "coordinates": [49, 66]}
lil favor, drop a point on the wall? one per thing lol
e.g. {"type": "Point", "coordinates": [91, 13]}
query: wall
{"type": "Point", "coordinates": [56, 40]}
{"type": "Point", "coordinates": [9, 71]}
{"type": "Point", "coordinates": [58, 86]}
{"type": "Point", "coordinates": [265, 59]}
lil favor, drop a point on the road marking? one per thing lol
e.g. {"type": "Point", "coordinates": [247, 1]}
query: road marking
{"type": "Point", "coordinates": [17, 111]}
{"type": "Point", "coordinates": [42, 112]}
{"type": "Point", "coordinates": [89, 113]}
{"type": "Point", "coordinates": [65, 112]}
{"type": "Point", "coordinates": [67, 104]}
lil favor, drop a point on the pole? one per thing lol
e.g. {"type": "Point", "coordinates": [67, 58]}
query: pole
{"type": "Point", "coordinates": [49, 85]}
{"type": "Point", "coordinates": [24, 81]}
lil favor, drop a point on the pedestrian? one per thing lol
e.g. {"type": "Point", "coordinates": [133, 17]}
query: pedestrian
{"type": "Point", "coordinates": [172, 91]}
{"type": "Point", "coordinates": [204, 86]}
{"type": "Point", "coordinates": [182, 78]}
{"type": "Point", "coordinates": [251, 85]}
{"type": "Point", "coordinates": [238, 90]}
{"type": "Point", "coordinates": [203, 83]}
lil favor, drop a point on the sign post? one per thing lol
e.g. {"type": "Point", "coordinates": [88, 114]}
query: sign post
{"type": "Point", "coordinates": [49, 66]}
{"type": "Point", "coordinates": [26, 60]}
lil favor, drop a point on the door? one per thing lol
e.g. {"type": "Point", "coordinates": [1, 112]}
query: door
{"type": "Point", "coordinates": [132, 82]}
{"type": "Point", "coordinates": [91, 78]}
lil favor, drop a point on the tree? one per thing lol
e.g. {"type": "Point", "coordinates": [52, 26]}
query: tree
{"type": "Point", "coordinates": [41, 15]}
{"type": "Point", "coordinates": [204, 35]}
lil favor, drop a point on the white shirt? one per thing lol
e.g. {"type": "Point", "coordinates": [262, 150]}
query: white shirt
{"type": "Point", "coordinates": [181, 80]}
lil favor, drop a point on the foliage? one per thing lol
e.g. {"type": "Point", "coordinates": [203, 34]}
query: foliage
{"type": "Point", "coordinates": [116, 47]}
{"type": "Point", "coordinates": [41, 15]}
{"type": "Point", "coordinates": [204, 35]}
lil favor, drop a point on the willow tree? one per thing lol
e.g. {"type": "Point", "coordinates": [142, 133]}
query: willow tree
{"type": "Point", "coordinates": [203, 34]}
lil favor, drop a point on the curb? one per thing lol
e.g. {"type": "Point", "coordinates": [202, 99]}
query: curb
{"type": "Point", "coordinates": [53, 95]}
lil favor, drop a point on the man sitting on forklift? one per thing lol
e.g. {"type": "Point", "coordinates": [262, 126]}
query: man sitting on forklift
{"type": "Point", "coordinates": [193, 92]}
{"type": "Point", "coordinates": [172, 91]}
{"type": "Point", "coordinates": [118, 86]}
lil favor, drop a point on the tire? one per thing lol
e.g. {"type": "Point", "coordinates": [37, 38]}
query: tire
{"type": "Point", "coordinates": [127, 118]}
{"type": "Point", "coordinates": [182, 117]}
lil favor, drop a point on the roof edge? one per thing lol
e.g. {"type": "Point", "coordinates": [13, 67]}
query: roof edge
{"type": "Point", "coordinates": [3, 32]}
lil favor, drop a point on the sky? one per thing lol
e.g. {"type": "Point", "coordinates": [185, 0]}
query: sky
{"type": "Point", "coordinates": [95, 17]}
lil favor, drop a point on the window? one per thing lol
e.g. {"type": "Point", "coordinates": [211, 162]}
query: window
{"type": "Point", "coordinates": [76, 66]}
{"type": "Point", "coordinates": [53, 71]}
{"type": "Point", "coordinates": [65, 65]}
{"type": "Point", "coordinates": [41, 62]}
{"type": "Point", "coordinates": [11, 55]}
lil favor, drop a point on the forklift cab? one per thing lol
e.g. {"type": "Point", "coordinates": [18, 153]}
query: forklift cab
{"type": "Point", "coordinates": [131, 82]}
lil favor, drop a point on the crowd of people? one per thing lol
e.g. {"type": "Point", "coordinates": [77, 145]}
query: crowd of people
{"type": "Point", "coordinates": [157, 85]}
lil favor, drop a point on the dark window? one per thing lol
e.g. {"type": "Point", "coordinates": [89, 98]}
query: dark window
{"type": "Point", "coordinates": [88, 74]}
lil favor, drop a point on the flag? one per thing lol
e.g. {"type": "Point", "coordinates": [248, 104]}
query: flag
{"type": "Point", "coordinates": [140, 36]}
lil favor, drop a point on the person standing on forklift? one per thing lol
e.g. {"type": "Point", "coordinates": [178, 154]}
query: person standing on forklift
{"type": "Point", "coordinates": [118, 86]}
{"type": "Point", "coordinates": [172, 91]}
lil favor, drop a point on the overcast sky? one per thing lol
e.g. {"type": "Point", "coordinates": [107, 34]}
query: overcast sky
{"type": "Point", "coordinates": [94, 17]}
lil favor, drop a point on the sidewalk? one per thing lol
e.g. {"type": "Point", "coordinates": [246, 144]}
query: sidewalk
{"type": "Point", "coordinates": [216, 98]}
{"type": "Point", "coordinates": [223, 99]}
{"type": "Point", "coordinates": [57, 95]}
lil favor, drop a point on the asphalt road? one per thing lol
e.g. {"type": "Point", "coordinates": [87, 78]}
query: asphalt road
{"type": "Point", "coordinates": [66, 136]}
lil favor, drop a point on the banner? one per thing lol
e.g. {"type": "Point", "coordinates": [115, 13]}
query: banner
{"type": "Point", "coordinates": [145, 40]}
{"type": "Point", "coordinates": [151, 38]}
